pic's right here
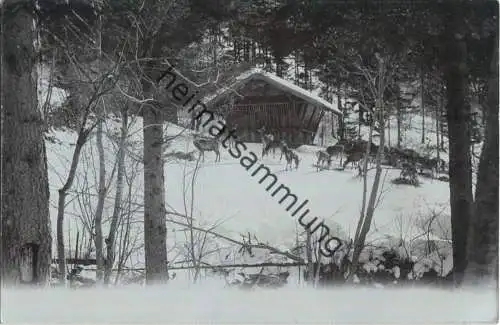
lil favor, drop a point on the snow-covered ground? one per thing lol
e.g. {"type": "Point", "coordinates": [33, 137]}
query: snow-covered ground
{"type": "Point", "coordinates": [203, 304]}
{"type": "Point", "coordinates": [228, 197]}
{"type": "Point", "coordinates": [228, 200]}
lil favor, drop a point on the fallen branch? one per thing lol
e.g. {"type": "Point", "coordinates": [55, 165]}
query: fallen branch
{"type": "Point", "coordinates": [234, 241]}
{"type": "Point", "coordinates": [222, 266]}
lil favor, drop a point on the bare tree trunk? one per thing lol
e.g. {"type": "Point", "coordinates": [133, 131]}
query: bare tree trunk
{"type": "Point", "coordinates": [318, 263]}
{"type": "Point", "coordinates": [155, 228]}
{"type": "Point", "coordinates": [190, 218]}
{"type": "Point", "coordinates": [364, 225]}
{"type": "Point", "coordinates": [25, 220]}
{"type": "Point", "coordinates": [365, 187]}
{"type": "Point", "coordinates": [120, 175]}
{"type": "Point", "coordinates": [422, 105]}
{"type": "Point", "coordinates": [254, 51]}
{"type": "Point", "coordinates": [341, 120]}
{"type": "Point", "coordinates": [101, 195]}
{"type": "Point", "coordinates": [215, 44]}
{"type": "Point", "coordinates": [125, 226]}
{"type": "Point", "coordinates": [398, 116]}
{"type": "Point", "coordinates": [360, 120]}
{"type": "Point", "coordinates": [63, 192]}
{"type": "Point", "coordinates": [458, 117]}
{"type": "Point", "coordinates": [81, 92]}
{"type": "Point", "coordinates": [310, 265]}
{"type": "Point", "coordinates": [279, 65]}
{"type": "Point", "coordinates": [441, 133]}
{"type": "Point", "coordinates": [388, 132]}
{"type": "Point", "coordinates": [483, 234]}
{"type": "Point", "coordinates": [296, 68]}
{"type": "Point", "coordinates": [442, 109]}
{"type": "Point", "coordinates": [438, 113]}
{"type": "Point", "coordinates": [370, 209]}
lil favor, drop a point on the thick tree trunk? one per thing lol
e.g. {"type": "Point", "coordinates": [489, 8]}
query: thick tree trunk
{"type": "Point", "coordinates": [26, 239]}
{"type": "Point", "coordinates": [458, 117]}
{"type": "Point", "coordinates": [483, 240]}
{"type": "Point", "coordinates": [155, 228]}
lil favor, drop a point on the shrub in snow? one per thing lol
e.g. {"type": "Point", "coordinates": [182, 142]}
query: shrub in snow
{"type": "Point", "coordinates": [444, 178]}
{"type": "Point", "coordinates": [249, 281]}
{"type": "Point", "coordinates": [386, 267]}
{"type": "Point", "coordinates": [408, 175]}
{"type": "Point", "coordinates": [328, 274]}
{"type": "Point", "coordinates": [180, 155]}
{"type": "Point", "coordinates": [406, 181]}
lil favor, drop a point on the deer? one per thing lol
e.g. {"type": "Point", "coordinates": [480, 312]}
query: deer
{"type": "Point", "coordinates": [409, 171]}
{"type": "Point", "coordinates": [284, 148]}
{"type": "Point", "coordinates": [323, 157]}
{"type": "Point", "coordinates": [354, 156]}
{"type": "Point", "coordinates": [431, 164]}
{"type": "Point", "coordinates": [276, 144]}
{"type": "Point", "coordinates": [291, 157]}
{"type": "Point", "coordinates": [267, 139]}
{"type": "Point", "coordinates": [205, 144]}
{"type": "Point", "coordinates": [335, 150]}
{"type": "Point", "coordinates": [232, 140]}
{"type": "Point", "coordinates": [356, 150]}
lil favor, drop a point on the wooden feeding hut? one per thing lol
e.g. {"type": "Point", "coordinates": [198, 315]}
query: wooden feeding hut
{"type": "Point", "coordinates": [259, 99]}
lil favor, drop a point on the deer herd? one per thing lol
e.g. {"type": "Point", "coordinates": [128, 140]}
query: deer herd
{"type": "Point", "coordinates": [354, 152]}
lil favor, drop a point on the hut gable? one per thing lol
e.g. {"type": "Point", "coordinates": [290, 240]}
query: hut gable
{"type": "Point", "coordinates": [254, 75]}
{"type": "Point", "coordinates": [258, 99]}
{"type": "Point", "coordinates": [261, 91]}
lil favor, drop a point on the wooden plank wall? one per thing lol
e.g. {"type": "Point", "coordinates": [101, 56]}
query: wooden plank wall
{"type": "Point", "coordinates": [286, 116]}
{"type": "Point", "coordinates": [295, 122]}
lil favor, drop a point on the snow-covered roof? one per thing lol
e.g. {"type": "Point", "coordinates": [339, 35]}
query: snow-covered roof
{"type": "Point", "coordinates": [279, 83]}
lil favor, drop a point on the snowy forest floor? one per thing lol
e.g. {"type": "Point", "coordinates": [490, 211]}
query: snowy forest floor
{"type": "Point", "coordinates": [230, 201]}
{"type": "Point", "coordinates": [208, 303]}
{"type": "Point", "coordinates": [226, 198]}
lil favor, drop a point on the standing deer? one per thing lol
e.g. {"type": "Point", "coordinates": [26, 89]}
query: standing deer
{"type": "Point", "coordinates": [267, 139]}
{"type": "Point", "coordinates": [205, 144]}
{"type": "Point", "coordinates": [284, 148]}
{"type": "Point", "coordinates": [427, 163]}
{"type": "Point", "coordinates": [336, 150]}
{"type": "Point", "coordinates": [354, 156]}
{"type": "Point", "coordinates": [323, 157]}
{"type": "Point", "coordinates": [291, 157]}
{"type": "Point", "coordinates": [232, 140]}
{"type": "Point", "coordinates": [273, 145]}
